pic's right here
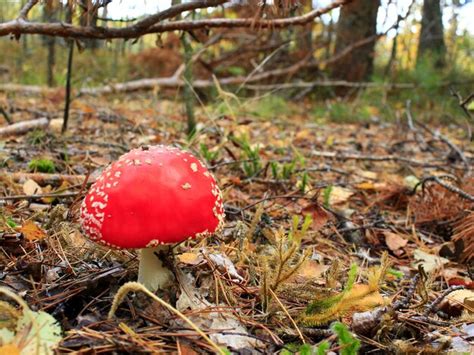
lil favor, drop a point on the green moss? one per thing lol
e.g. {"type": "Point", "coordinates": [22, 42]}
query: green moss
{"type": "Point", "coordinates": [42, 165]}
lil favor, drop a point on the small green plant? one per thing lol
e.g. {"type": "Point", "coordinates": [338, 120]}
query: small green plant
{"type": "Point", "coordinates": [42, 165]}
{"type": "Point", "coordinates": [251, 153]}
{"type": "Point", "coordinates": [327, 196]}
{"type": "Point", "coordinates": [11, 223]}
{"type": "Point", "coordinates": [303, 182]}
{"type": "Point", "coordinates": [207, 154]}
{"type": "Point", "coordinates": [285, 257]}
{"type": "Point", "coordinates": [306, 349]}
{"type": "Point", "coordinates": [283, 171]}
{"type": "Point", "coordinates": [348, 343]}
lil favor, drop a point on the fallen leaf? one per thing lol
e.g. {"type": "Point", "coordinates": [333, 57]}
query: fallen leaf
{"type": "Point", "coordinates": [366, 186]}
{"type": "Point", "coordinates": [10, 349]}
{"type": "Point", "coordinates": [30, 187]}
{"type": "Point", "coordinates": [394, 241]}
{"type": "Point", "coordinates": [190, 258]}
{"type": "Point", "coordinates": [464, 298]}
{"type": "Point", "coordinates": [318, 214]}
{"type": "Point", "coordinates": [224, 265]}
{"type": "Point", "coordinates": [429, 262]}
{"type": "Point", "coordinates": [312, 269]}
{"type": "Point", "coordinates": [31, 231]}
{"type": "Point", "coordinates": [339, 195]}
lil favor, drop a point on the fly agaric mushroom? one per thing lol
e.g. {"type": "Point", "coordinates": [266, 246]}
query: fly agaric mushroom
{"type": "Point", "coordinates": [149, 198]}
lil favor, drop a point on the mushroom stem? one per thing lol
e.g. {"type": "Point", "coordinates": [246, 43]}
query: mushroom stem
{"type": "Point", "coordinates": [151, 272]}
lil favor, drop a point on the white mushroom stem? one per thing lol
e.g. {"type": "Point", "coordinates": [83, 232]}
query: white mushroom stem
{"type": "Point", "coordinates": [152, 273]}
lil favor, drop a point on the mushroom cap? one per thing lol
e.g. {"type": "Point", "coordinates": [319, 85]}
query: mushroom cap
{"type": "Point", "coordinates": [150, 196]}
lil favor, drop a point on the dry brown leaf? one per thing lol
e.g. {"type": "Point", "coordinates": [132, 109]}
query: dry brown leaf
{"type": "Point", "coordinates": [318, 214]}
{"type": "Point", "coordinates": [312, 269]}
{"type": "Point", "coordinates": [394, 241]}
{"type": "Point", "coordinates": [30, 187]}
{"type": "Point", "coordinates": [339, 195]}
{"type": "Point", "coordinates": [32, 232]}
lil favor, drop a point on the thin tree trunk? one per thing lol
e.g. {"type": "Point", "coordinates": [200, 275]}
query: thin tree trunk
{"type": "Point", "coordinates": [49, 16]}
{"type": "Point", "coordinates": [431, 44]}
{"type": "Point", "coordinates": [357, 21]}
{"type": "Point", "coordinates": [67, 99]}
{"type": "Point", "coordinates": [188, 94]}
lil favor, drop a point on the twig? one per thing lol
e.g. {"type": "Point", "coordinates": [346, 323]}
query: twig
{"type": "Point", "coordinates": [463, 104]}
{"type": "Point", "coordinates": [403, 303]}
{"type": "Point", "coordinates": [151, 25]}
{"type": "Point", "coordinates": [447, 186]}
{"type": "Point", "coordinates": [287, 314]}
{"type": "Point", "coordinates": [348, 156]}
{"type": "Point", "coordinates": [26, 9]}
{"type": "Point", "coordinates": [67, 99]}
{"type": "Point", "coordinates": [446, 140]}
{"type": "Point", "coordinates": [37, 196]}
{"type": "Point", "coordinates": [430, 308]}
{"type": "Point", "coordinates": [46, 179]}
{"type": "Point", "coordinates": [6, 115]}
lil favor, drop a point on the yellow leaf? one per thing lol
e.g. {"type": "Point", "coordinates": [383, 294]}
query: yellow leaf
{"type": "Point", "coordinates": [304, 134]}
{"type": "Point", "coordinates": [10, 349]}
{"type": "Point", "coordinates": [366, 186]}
{"type": "Point", "coordinates": [32, 232]}
{"type": "Point", "coordinates": [190, 258]}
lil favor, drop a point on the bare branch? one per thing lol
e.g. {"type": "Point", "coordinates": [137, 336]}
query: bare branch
{"type": "Point", "coordinates": [26, 9]}
{"type": "Point", "coordinates": [150, 25]}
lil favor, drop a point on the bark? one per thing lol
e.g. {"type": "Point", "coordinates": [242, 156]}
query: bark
{"type": "Point", "coordinates": [49, 14]}
{"type": "Point", "coordinates": [357, 21]}
{"type": "Point", "coordinates": [431, 44]}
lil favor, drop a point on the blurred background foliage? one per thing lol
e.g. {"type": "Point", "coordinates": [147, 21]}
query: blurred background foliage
{"type": "Point", "coordinates": [36, 60]}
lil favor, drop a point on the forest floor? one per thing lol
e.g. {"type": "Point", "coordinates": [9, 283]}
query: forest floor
{"type": "Point", "coordinates": [382, 264]}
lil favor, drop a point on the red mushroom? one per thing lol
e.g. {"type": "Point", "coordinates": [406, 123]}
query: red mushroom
{"type": "Point", "coordinates": [151, 197]}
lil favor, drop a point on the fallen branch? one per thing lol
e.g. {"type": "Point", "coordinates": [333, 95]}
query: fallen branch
{"type": "Point", "coordinates": [24, 89]}
{"type": "Point", "coordinates": [150, 24]}
{"type": "Point", "coordinates": [5, 115]}
{"type": "Point", "coordinates": [46, 179]}
{"type": "Point", "coordinates": [38, 196]}
{"type": "Point", "coordinates": [378, 158]}
{"type": "Point", "coordinates": [24, 126]}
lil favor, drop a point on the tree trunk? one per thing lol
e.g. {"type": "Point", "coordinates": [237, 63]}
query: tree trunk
{"type": "Point", "coordinates": [431, 42]}
{"type": "Point", "coordinates": [50, 41]}
{"type": "Point", "coordinates": [357, 22]}
{"type": "Point", "coordinates": [89, 18]}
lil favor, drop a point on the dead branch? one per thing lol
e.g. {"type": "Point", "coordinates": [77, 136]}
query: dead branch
{"type": "Point", "coordinates": [26, 9]}
{"type": "Point", "coordinates": [378, 158]}
{"type": "Point", "coordinates": [5, 115]}
{"type": "Point", "coordinates": [24, 126]}
{"type": "Point", "coordinates": [24, 89]}
{"type": "Point", "coordinates": [38, 196]}
{"type": "Point", "coordinates": [449, 187]}
{"type": "Point", "coordinates": [150, 24]}
{"type": "Point", "coordinates": [46, 179]}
